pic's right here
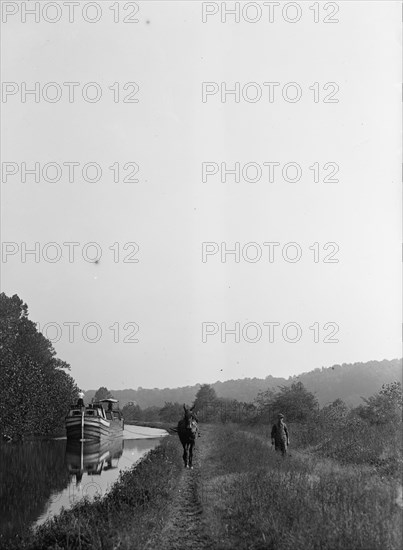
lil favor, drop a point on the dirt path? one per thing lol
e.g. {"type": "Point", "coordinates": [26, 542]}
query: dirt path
{"type": "Point", "coordinates": [185, 528]}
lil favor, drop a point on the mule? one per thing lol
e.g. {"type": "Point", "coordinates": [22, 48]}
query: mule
{"type": "Point", "coordinates": [187, 431]}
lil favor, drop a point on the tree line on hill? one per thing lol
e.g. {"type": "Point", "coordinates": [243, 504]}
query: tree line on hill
{"type": "Point", "coordinates": [36, 389]}
{"type": "Point", "coordinates": [349, 382]}
{"type": "Point", "coordinates": [296, 402]}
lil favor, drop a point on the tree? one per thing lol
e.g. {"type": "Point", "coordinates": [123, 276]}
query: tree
{"type": "Point", "coordinates": [205, 394]}
{"type": "Point", "coordinates": [205, 399]}
{"type": "Point", "coordinates": [102, 393]}
{"type": "Point", "coordinates": [264, 404]}
{"type": "Point", "coordinates": [295, 402]}
{"type": "Point", "coordinates": [131, 411]}
{"type": "Point", "coordinates": [334, 414]}
{"type": "Point", "coordinates": [171, 412]}
{"type": "Point", "coordinates": [35, 390]}
{"type": "Point", "coordinates": [19, 335]}
{"type": "Point", "coordinates": [150, 414]}
{"type": "Point", "coordinates": [384, 407]}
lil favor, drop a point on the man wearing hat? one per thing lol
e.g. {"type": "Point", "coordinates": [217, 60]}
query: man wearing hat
{"type": "Point", "coordinates": [80, 400]}
{"type": "Point", "coordinates": [279, 435]}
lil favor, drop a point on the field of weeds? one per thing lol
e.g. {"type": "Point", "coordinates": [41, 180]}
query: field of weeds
{"type": "Point", "coordinates": [255, 499]}
{"type": "Point", "coordinates": [375, 447]}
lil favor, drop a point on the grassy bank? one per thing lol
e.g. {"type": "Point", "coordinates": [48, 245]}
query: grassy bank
{"type": "Point", "coordinates": [352, 443]}
{"type": "Point", "coordinates": [241, 495]}
{"type": "Point", "coordinates": [125, 517]}
{"type": "Point", "coordinates": [253, 498]}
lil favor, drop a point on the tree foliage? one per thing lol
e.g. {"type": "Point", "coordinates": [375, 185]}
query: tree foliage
{"type": "Point", "coordinates": [205, 396]}
{"type": "Point", "coordinates": [385, 407]}
{"type": "Point", "coordinates": [295, 402]}
{"type": "Point", "coordinates": [35, 390]}
{"type": "Point", "coordinates": [171, 412]}
{"type": "Point", "coordinates": [131, 411]}
{"type": "Point", "coordinates": [102, 393]}
{"type": "Point", "coordinates": [264, 404]}
{"type": "Point", "coordinates": [348, 382]}
{"type": "Point", "coordinates": [334, 413]}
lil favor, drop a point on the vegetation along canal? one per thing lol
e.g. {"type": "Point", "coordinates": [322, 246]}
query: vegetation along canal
{"type": "Point", "coordinates": [40, 477]}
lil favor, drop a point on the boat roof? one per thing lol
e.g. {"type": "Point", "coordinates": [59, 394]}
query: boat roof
{"type": "Point", "coordinates": [109, 400]}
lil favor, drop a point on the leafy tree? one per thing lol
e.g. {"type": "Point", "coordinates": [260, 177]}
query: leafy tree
{"type": "Point", "coordinates": [295, 402]}
{"type": "Point", "coordinates": [171, 412]}
{"type": "Point", "coordinates": [334, 415]}
{"type": "Point", "coordinates": [35, 390]}
{"type": "Point", "coordinates": [19, 335]}
{"type": "Point", "coordinates": [205, 395]}
{"type": "Point", "coordinates": [150, 414]}
{"type": "Point", "coordinates": [385, 407]}
{"type": "Point", "coordinates": [131, 411]}
{"type": "Point", "coordinates": [232, 410]}
{"type": "Point", "coordinates": [264, 404]}
{"type": "Point", "coordinates": [102, 393]}
{"type": "Point", "coordinates": [205, 403]}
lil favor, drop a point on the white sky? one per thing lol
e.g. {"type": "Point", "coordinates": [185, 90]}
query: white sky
{"type": "Point", "coordinates": [170, 212]}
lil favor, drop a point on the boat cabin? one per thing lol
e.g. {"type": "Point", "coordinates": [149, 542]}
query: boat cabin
{"type": "Point", "coordinates": [112, 411]}
{"type": "Point", "coordinates": [105, 408]}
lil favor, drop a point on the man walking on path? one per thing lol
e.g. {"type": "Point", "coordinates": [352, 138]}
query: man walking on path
{"type": "Point", "coordinates": [279, 435]}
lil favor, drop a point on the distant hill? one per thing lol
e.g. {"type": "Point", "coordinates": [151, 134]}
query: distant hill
{"type": "Point", "coordinates": [349, 382]}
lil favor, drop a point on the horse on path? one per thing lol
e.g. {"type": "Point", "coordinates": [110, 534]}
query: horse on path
{"type": "Point", "coordinates": [187, 431]}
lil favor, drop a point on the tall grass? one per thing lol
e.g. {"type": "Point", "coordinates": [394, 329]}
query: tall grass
{"type": "Point", "coordinates": [350, 440]}
{"type": "Point", "coordinates": [355, 441]}
{"type": "Point", "coordinates": [256, 499]}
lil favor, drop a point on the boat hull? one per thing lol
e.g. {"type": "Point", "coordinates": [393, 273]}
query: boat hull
{"type": "Point", "coordinates": [94, 428]}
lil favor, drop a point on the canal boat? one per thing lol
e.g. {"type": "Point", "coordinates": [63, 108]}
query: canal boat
{"type": "Point", "coordinates": [97, 421]}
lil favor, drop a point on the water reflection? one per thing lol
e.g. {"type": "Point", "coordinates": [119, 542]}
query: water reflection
{"type": "Point", "coordinates": [93, 468]}
{"type": "Point", "coordinates": [92, 457]}
{"type": "Point", "coordinates": [31, 472]}
{"type": "Point", "coordinates": [39, 478]}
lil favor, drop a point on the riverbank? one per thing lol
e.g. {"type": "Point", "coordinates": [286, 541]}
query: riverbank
{"type": "Point", "coordinates": [240, 494]}
{"type": "Point", "coordinates": [125, 517]}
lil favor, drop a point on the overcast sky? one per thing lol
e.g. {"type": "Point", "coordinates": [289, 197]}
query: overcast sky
{"type": "Point", "coordinates": [170, 292]}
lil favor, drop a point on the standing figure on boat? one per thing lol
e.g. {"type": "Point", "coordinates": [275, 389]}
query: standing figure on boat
{"type": "Point", "coordinates": [279, 435]}
{"type": "Point", "coordinates": [80, 400]}
{"type": "Point", "coordinates": [187, 431]}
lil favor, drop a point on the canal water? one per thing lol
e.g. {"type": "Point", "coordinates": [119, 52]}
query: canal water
{"type": "Point", "coordinates": [39, 478]}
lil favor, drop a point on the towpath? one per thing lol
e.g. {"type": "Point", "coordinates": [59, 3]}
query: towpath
{"type": "Point", "coordinates": [185, 528]}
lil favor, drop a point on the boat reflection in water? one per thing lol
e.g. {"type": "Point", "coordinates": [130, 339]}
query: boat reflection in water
{"type": "Point", "coordinates": [99, 460]}
{"type": "Point", "coordinates": [40, 477]}
{"type": "Point", "coordinates": [92, 457]}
